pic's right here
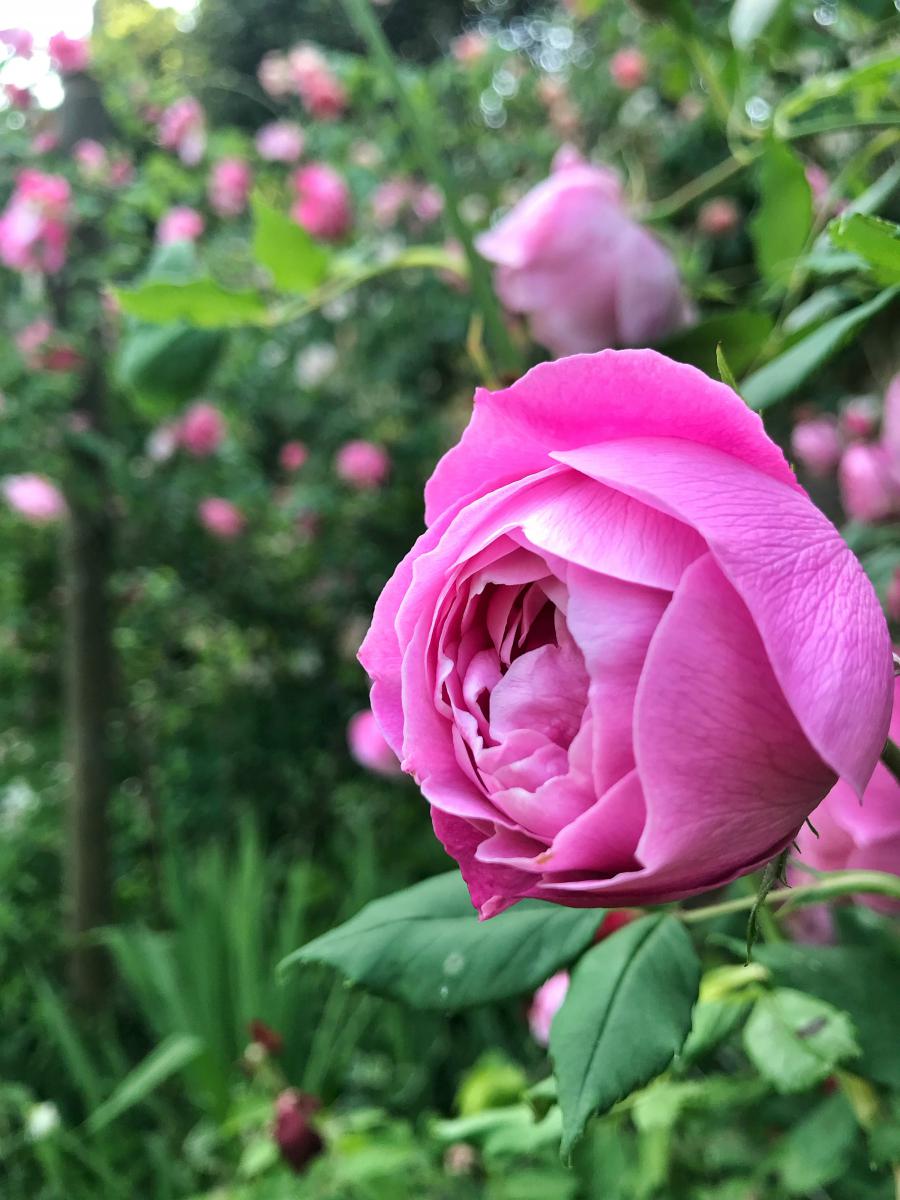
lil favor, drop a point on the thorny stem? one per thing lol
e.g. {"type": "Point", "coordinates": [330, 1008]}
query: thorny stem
{"type": "Point", "coordinates": [828, 887]}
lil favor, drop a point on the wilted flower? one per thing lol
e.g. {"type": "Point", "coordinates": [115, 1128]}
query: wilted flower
{"type": "Point", "coordinates": [180, 224]}
{"type": "Point", "coordinates": [368, 746]}
{"type": "Point", "coordinates": [229, 186]}
{"type": "Point", "coordinates": [221, 518]}
{"type": "Point", "coordinates": [280, 141]}
{"type": "Point", "coordinates": [34, 497]}
{"type": "Point", "coordinates": [363, 465]}
{"type": "Point", "coordinates": [69, 55]}
{"type": "Point", "coordinates": [182, 128]}
{"type": "Point", "coordinates": [322, 206]}
{"type": "Point", "coordinates": [34, 231]}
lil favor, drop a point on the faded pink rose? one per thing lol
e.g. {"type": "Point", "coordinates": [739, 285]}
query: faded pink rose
{"type": "Point", "coordinates": [180, 224]}
{"type": "Point", "coordinates": [275, 75]}
{"type": "Point", "coordinates": [854, 835]}
{"type": "Point", "coordinates": [570, 257]}
{"type": "Point", "coordinates": [321, 92]}
{"type": "Point", "coordinates": [69, 55]}
{"type": "Point", "coordinates": [20, 41]}
{"type": "Point", "coordinates": [869, 486]}
{"type": "Point", "coordinates": [292, 456]}
{"type": "Point", "coordinates": [229, 186]}
{"type": "Point", "coordinates": [545, 1004]}
{"type": "Point", "coordinates": [363, 465]}
{"type": "Point", "coordinates": [816, 444]}
{"type": "Point", "coordinates": [202, 429]}
{"type": "Point", "coordinates": [280, 141]}
{"type": "Point", "coordinates": [322, 206]}
{"type": "Point", "coordinates": [182, 128]}
{"type": "Point", "coordinates": [610, 646]}
{"type": "Point", "coordinates": [367, 745]}
{"type": "Point", "coordinates": [718, 217]}
{"type": "Point", "coordinates": [34, 231]}
{"type": "Point", "coordinates": [628, 68]}
{"type": "Point", "coordinates": [35, 498]}
{"type": "Point", "coordinates": [221, 518]}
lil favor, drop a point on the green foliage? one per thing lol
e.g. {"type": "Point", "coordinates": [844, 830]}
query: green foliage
{"type": "Point", "coordinates": [782, 222]}
{"type": "Point", "coordinates": [295, 261]}
{"type": "Point", "coordinates": [796, 1041]}
{"type": "Point", "coordinates": [874, 240]}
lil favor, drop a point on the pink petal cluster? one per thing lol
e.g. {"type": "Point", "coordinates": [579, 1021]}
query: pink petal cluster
{"type": "Point", "coordinates": [363, 465]}
{"type": "Point", "coordinates": [321, 92]}
{"type": "Point", "coordinates": [69, 55]}
{"type": "Point", "coordinates": [869, 472]}
{"type": "Point", "coordinates": [221, 518]}
{"type": "Point", "coordinates": [367, 745]}
{"type": "Point", "coordinates": [292, 456]}
{"type": "Point", "coordinates": [322, 206]}
{"type": "Point", "coordinates": [182, 128]}
{"type": "Point", "coordinates": [586, 274]}
{"type": "Point", "coordinates": [608, 686]}
{"type": "Point", "coordinates": [628, 68]}
{"type": "Point", "coordinates": [179, 224]}
{"type": "Point", "coordinates": [280, 141]}
{"type": "Point", "coordinates": [35, 498]}
{"type": "Point", "coordinates": [202, 429]}
{"type": "Point", "coordinates": [20, 41]}
{"type": "Point", "coordinates": [229, 186]}
{"type": "Point", "coordinates": [34, 230]}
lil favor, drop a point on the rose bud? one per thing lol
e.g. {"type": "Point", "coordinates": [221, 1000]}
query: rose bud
{"type": "Point", "coordinates": [298, 1141]}
{"type": "Point", "coordinates": [629, 655]}
{"type": "Point", "coordinates": [816, 445]}
{"type": "Point", "coordinates": [571, 259]}
{"type": "Point", "coordinates": [221, 518]}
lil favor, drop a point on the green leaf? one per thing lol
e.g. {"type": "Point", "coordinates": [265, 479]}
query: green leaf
{"type": "Point", "coordinates": [748, 19]}
{"type": "Point", "coordinates": [817, 1151]}
{"type": "Point", "coordinates": [626, 1015]}
{"type": "Point", "coordinates": [861, 981]}
{"type": "Point", "coordinates": [295, 261]}
{"type": "Point", "coordinates": [426, 947]}
{"type": "Point", "coordinates": [784, 374]}
{"type": "Point", "coordinates": [834, 83]}
{"type": "Point", "coordinates": [874, 240]}
{"type": "Point", "coordinates": [202, 303]}
{"type": "Point", "coordinates": [165, 1060]}
{"type": "Point", "coordinates": [166, 364]}
{"type": "Point", "coordinates": [741, 335]}
{"type": "Point", "coordinates": [795, 1040]}
{"type": "Point", "coordinates": [782, 221]}
{"type": "Point", "coordinates": [725, 372]}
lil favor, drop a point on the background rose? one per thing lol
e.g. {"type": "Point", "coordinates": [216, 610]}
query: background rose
{"type": "Point", "coordinates": [586, 274]}
{"type": "Point", "coordinates": [619, 663]}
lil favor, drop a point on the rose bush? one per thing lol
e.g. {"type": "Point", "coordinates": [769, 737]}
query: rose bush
{"type": "Point", "coordinates": [629, 656]}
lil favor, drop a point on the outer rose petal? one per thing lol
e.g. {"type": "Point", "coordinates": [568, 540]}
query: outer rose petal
{"type": "Point", "coordinates": [591, 398]}
{"type": "Point", "coordinates": [817, 613]}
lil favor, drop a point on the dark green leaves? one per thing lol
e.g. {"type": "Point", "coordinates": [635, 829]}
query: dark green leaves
{"type": "Point", "coordinates": [782, 222]}
{"type": "Point", "coordinates": [426, 947]}
{"type": "Point", "coordinates": [627, 1014]}
{"type": "Point", "coordinates": [874, 240]}
{"type": "Point", "coordinates": [796, 1041]}
{"type": "Point", "coordinates": [296, 263]}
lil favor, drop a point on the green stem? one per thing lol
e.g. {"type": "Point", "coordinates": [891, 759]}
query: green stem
{"type": "Point", "coordinates": [890, 756]}
{"type": "Point", "coordinates": [698, 187]}
{"type": "Point", "coordinates": [832, 886]}
{"type": "Point", "coordinates": [423, 125]}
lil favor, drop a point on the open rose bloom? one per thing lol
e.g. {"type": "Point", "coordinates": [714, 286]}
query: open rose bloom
{"type": "Point", "coordinates": [628, 656]}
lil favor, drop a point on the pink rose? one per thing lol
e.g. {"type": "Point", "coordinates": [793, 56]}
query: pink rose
{"type": "Point", "coordinates": [229, 186]}
{"type": "Point", "coordinates": [20, 41]}
{"type": "Point", "coordinates": [570, 257]}
{"type": "Point", "coordinates": [628, 68]}
{"type": "Point", "coordinates": [609, 662]}
{"type": "Point", "coordinates": [545, 1004]}
{"type": "Point", "coordinates": [180, 224]}
{"type": "Point", "coordinates": [69, 55]}
{"type": "Point", "coordinates": [202, 429]}
{"type": "Point", "coordinates": [869, 487]}
{"type": "Point", "coordinates": [34, 232]}
{"type": "Point", "coordinates": [362, 464]}
{"type": "Point", "coordinates": [221, 518]}
{"type": "Point", "coordinates": [281, 141]}
{"type": "Point", "coordinates": [321, 92]}
{"type": "Point", "coordinates": [718, 217]}
{"type": "Point", "coordinates": [323, 202]}
{"type": "Point", "coordinates": [182, 128]}
{"type": "Point", "coordinates": [859, 417]}
{"type": "Point", "coordinates": [35, 498]}
{"type": "Point", "coordinates": [292, 456]}
{"type": "Point", "coordinates": [91, 158]}
{"type": "Point", "coordinates": [45, 141]}
{"type": "Point", "coordinates": [816, 443]}
{"type": "Point", "coordinates": [368, 747]}
{"type": "Point", "coordinates": [890, 429]}
{"type": "Point", "coordinates": [18, 97]}
{"type": "Point", "coordinates": [856, 836]}
{"type": "Point", "coordinates": [275, 75]}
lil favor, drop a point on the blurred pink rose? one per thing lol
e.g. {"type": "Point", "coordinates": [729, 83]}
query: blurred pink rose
{"type": "Point", "coordinates": [389, 200]}
{"type": "Point", "coordinates": [869, 487]}
{"type": "Point", "coordinates": [35, 498]}
{"type": "Point", "coordinates": [570, 257]}
{"type": "Point", "coordinates": [280, 141]}
{"type": "Point", "coordinates": [362, 464]}
{"type": "Point", "coordinates": [20, 41]}
{"type": "Point", "coordinates": [321, 92]}
{"type": "Point", "coordinates": [890, 426]}
{"type": "Point", "coordinates": [427, 203]}
{"type": "Point", "coordinates": [322, 206]}
{"type": "Point", "coordinates": [91, 158]}
{"type": "Point", "coordinates": [292, 456]}
{"type": "Point", "coordinates": [18, 97]}
{"type": "Point", "coordinates": [34, 231]}
{"type": "Point", "coordinates": [816, 444]}
{"type": "Point", "coordinates": [221, 518]}
{"type": "Point", "coordinates": [41, 348]}
{"type": "Point", "coordinates": [628, 68]}
{"type": "Point", "coordinates": [545, 1004]}
{"type": "Point", "coordinates": [854, 835]}
{"type": "Point", "coordinates": [296, 1137]}
{"type": "Point", "coordinates": [179, 224]}
{"type": "Point", "coordinates": [275, 75]}
{"type": "Point", "coordinates": [44, 141]}
{"type": "Point", "coordinates": [593, 663]}
{"type": "Point", "coordinates": [69, 55]}
{"type": "Point", "coordinates": [367, 745]}
{"type": "Point", "coordinates": [718, 217]}
{"type": "Point", "coordinates": [121, 172]}
{"type": "Point", "coordinates": [182, 128]}
{"type": "Point", "coordinates": [470, 47]}
{"type": "Point", "coordinates": [892, 598]}
{"type": "Point", "coordinates": [202, 429]}
{"type": "Point", "coordinates": [229, 186]}
{"type": "Point", "coordinates": [859, 417]}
